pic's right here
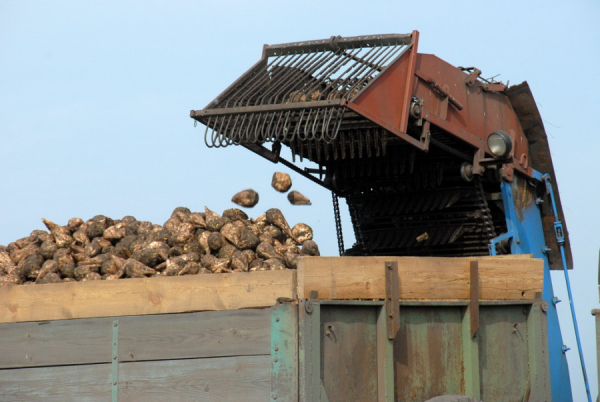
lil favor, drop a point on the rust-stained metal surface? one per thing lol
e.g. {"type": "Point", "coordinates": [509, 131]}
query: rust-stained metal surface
{"type": "Point", "coordinates": [400, 134]}
{"type": "Point", "coordinates": [428, 353]}
{"type": "Point", "coordinates": [524, 105]}
{"type": "Point", "coordinates": [349, 352]}
{"type": "Point", "coordinates": [503, 353]}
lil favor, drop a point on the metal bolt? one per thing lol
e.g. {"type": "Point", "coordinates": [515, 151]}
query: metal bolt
{"type": "Point", "coordinates": [115, 324]}
{"type": "Point", "coordinates": [275, 396]}
{"type": "Point", "coordinates": [555, 300]}
{"type": "Point", "coordinates": [277, 319]}
{"type": "Point", "coordinates": [546, 249]}
{"type": "Point", "coordinates": [276, 348]}
{"type": "Point", "coordinates": [114, 357]}
{"type": "Point", "coordinates": [275, 359]}
{"type": "Point", "coordinates": [544, 305]}
{"type": "Point", "coordinates": [538, 201]}
{"type": "Point", "coordinates": [390, 315]}
{"type": "Point", "coordinates": [565, 348]}
{"type": "Point", "coordinates": [114, 383]}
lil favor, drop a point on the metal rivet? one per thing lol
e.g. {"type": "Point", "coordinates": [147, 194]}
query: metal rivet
{"type": "Point", "coordinates": [115, 383]}
{"type": "Point", "coordinates": [114, 357]}
{"type": "Point", "coordinates": [275, 359]}
{"type": "Point", "coordinates": [276, 348]}
{"type": "Point", "coordinates": [275, 396]}
{"type": "Point", "coordinates": [277, 319]}
{"type": "Point", "coordinates": [115, 324]}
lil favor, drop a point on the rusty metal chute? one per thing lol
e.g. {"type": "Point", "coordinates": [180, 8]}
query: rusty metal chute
{"type": "Point", "coordinates": [300, 91]}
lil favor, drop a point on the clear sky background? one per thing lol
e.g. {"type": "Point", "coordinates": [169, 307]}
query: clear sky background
{"type": "Point", "coordinates": [95, 100]}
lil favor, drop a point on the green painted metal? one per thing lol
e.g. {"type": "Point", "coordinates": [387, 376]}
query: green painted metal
{"type": "Point", "coordinates": [309, 361]}
{"type": "Point", "coordinates": [352, 302]}
{"type": "Point", "coordinates": [537, 343]}
{"type": "Point", "coordinates": [349, 352]}
{"type": "Point", "coordinates": [385, 359]}
{"type": "Point", "coordinates": [115, 362]}
{"type": "Point", "coordinates": [284, 352]}
{"type": "Point", "coordinates": [427, 353]}
{"type": "Point", "coordinates": [503, 353]}
{"type": "Point", "coordinates": [470, 356]}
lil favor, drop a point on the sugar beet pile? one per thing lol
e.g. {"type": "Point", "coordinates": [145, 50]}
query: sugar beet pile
{"type": "Point", "coordinates": [188, 243]}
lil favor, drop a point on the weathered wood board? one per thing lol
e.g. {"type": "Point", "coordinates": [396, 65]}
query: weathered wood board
{"type": "Point", "coordinates": [63, 383]}
{"type": "Point", "coordinates": [149, 337]}
{"type": "Point", "coordinates": [420, 278]}
{"type": "Point", "coordinates": [53, 343]}
{"type": "Point", "coordinates": [241, 378]}
{"type": "Point", "coordinates": [501, 278]}
{"type": "Point", "coordinates": [63, 301]}
{"type": "Point", "coordinates": [207, 334]}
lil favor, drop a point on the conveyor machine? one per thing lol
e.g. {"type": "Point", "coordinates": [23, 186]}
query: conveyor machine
{"type": "Point", "coordinates": [432, 159]}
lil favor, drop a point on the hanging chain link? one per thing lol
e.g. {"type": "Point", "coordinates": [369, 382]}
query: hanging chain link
{"type": "Point", "coordinates": [488, 222]}
{"type": "Point", "coordinates": [338, 222]}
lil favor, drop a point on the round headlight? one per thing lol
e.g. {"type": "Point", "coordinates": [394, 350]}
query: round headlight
{"type": "Point", "coordinates": [499, 143]}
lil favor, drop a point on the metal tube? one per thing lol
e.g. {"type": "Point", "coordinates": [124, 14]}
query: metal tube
{"type": "Point", "coordinates": [561, 245]}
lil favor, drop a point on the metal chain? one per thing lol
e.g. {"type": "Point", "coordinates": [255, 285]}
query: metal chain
{"type": "Point", "coordinates": [338, 222]}
{"type": "Point", "coordinates": [360, 240]}
{"type": "Point", "coordinates": [488, 223]}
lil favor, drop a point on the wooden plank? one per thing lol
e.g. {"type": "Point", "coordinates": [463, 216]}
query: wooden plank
{"type": "Point", "coordinates": [143, 296]}
{"type": "Point", "coordinates": [63, 383]}
{"type": "Point", "coordinates": [244, 378]}
{"type": "Point", "coordinates": [54, 343]}
{"type": "Point", "coordinates": [420, 278]}
{"type": "Point", "coordinates": [192, 335]}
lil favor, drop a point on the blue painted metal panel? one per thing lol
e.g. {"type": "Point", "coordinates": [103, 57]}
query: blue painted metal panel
{"type": "Point", "coordinates": [524, 220]}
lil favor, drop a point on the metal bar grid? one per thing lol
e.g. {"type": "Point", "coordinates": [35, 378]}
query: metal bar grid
{"type": "Point", "coordinates": [275, 100]}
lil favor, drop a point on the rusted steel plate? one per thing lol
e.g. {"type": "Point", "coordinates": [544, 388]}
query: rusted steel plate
{"type": "Point", "coordinates": [540, 159]}
{"type": "Point", "coordinates": [428, 353]}
{"type": "Point", "coordinates": [349, 352]}
{"type": "Point", "coordinates": [503, 353]}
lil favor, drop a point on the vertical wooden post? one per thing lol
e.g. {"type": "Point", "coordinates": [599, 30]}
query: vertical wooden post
{"type": "Point", "coordinates": [392, 298]}
{"type": "Point", "coordinates": [474, 303]}
{"type": "Point", "coordinates": [470, 325]}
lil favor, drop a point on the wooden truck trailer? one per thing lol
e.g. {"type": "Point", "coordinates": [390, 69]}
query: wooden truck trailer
{"type": "Point", "coordinates": [336, 329]}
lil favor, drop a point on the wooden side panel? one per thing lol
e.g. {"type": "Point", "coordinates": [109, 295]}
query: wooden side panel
{"type": "Point", "coordinates": [55, 343]}
{"type": "Point", "coordinates": [67, 383]}
{"type": "Point", "coordinates": [243, 378]}
{"type": "Point", "coordinates": [420, 278]}
{"type": "Point", "coordinates": [206, 334]}
{"type": "Point", "coordinates": [428, 353]}
{"type": "Point", "coordinates": [63, 301]}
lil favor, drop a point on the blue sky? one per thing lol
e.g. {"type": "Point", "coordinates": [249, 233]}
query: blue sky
{"type": "Point", "coordinates": [95, 100]}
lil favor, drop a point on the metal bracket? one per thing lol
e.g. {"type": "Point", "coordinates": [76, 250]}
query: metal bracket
{"type": "Point", "coordinates": [498, 239]}
{"type": "Point", "coordinates": [114, 378]}
{"type": "Point", "coordinates": [473, 75]}
{"type": "Point", "coordinates": [392, 298]}
{"type": "Point", "coordinates": [474, 303]}
{"type": "Point", "coordinates": [308, 306]}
